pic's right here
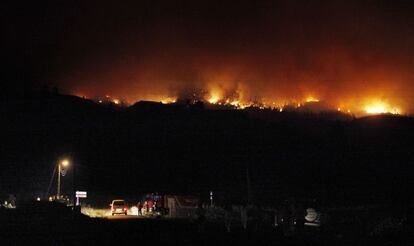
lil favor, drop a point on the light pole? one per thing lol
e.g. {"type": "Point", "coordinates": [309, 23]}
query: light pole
{"type": "Point", "coordinates": [63, 163]}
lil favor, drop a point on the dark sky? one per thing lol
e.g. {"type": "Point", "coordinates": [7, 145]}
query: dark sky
{"type": "Point", "coordinates": [346, 52]}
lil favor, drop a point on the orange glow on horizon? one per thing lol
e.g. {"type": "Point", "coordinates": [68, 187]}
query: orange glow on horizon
{"type": "Point", "coordinates": [311, 99]}
{"type": "Point", "coordinates": [213, 99]}
{"type": "Point", "coordinates": [357, 105]}
{"type": "Point", "coordinates": [380, 107]}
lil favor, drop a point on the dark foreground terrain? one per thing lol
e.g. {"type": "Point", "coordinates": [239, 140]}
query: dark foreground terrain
{"type": "Point", "coordinates": [54, 224]}
{"type": "Point", "coordinates": [187, 149]}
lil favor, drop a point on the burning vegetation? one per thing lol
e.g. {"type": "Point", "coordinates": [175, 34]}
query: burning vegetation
{"type": "Point", "coordinates": [326, 56]}
{"type": "Point", "coordinates": [219, 98]}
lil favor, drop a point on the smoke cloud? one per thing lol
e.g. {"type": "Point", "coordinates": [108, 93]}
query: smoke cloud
{"type": "Point", "coordinates": [342, 52]}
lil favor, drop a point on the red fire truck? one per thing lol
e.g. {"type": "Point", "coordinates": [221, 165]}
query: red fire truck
{"type": "Point", "coordinates": [173, 206]}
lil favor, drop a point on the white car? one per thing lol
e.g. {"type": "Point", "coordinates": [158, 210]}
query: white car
{"type": "Point", "coordinates": [119, 207]}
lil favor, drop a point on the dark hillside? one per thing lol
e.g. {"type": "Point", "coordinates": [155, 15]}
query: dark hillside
{"type": "Point", "coordinates": [152, 147]}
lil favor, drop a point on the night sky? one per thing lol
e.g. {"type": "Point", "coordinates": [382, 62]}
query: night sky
{"type": "Point", "coordinates": [347, 53]}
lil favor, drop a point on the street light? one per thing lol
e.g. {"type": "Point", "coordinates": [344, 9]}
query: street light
{"type": "Point", "coordinates": [63, 163]}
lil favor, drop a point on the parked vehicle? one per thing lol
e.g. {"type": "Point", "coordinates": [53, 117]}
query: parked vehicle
{"type": "Point", "coordinates": [174, 206]}
{"type": "Point", "coordinates": [119, 207]}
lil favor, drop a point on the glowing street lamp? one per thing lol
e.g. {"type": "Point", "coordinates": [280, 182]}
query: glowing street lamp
{"type": "Point", "coordinates": [63, 163]}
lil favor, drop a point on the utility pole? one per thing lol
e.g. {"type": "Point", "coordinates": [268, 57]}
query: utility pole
{"type": "Point", "coordinates": [58, 182]}
{"type": "Point", "coordinates": [63, 163]}
{"type": "Point", "coordinates": [74, 187]}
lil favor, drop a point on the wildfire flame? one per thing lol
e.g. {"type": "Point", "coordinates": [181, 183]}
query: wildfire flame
{"type": "Point", "coordinates": [380, 107]}
{"type": "Point", "coordinates": [169, 100]}
{"type": "Point", "coordinates": [311, 99]}
{"type": "Point", "coordinates": [214, 99]}
{"type": "Point", "coordinates": [216, 96]}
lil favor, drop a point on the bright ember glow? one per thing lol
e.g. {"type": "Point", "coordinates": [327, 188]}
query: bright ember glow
{"type": "Point", "coordinates": [312, 99]}
{"type": "Point", "coordinates": [358, 106]}
{"type": "Point", "coordinates": [380, 107]}
{"type": "Point", "coordinates": [168, 100]}
{"type": "Point", "coordinates": [214, 98]}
